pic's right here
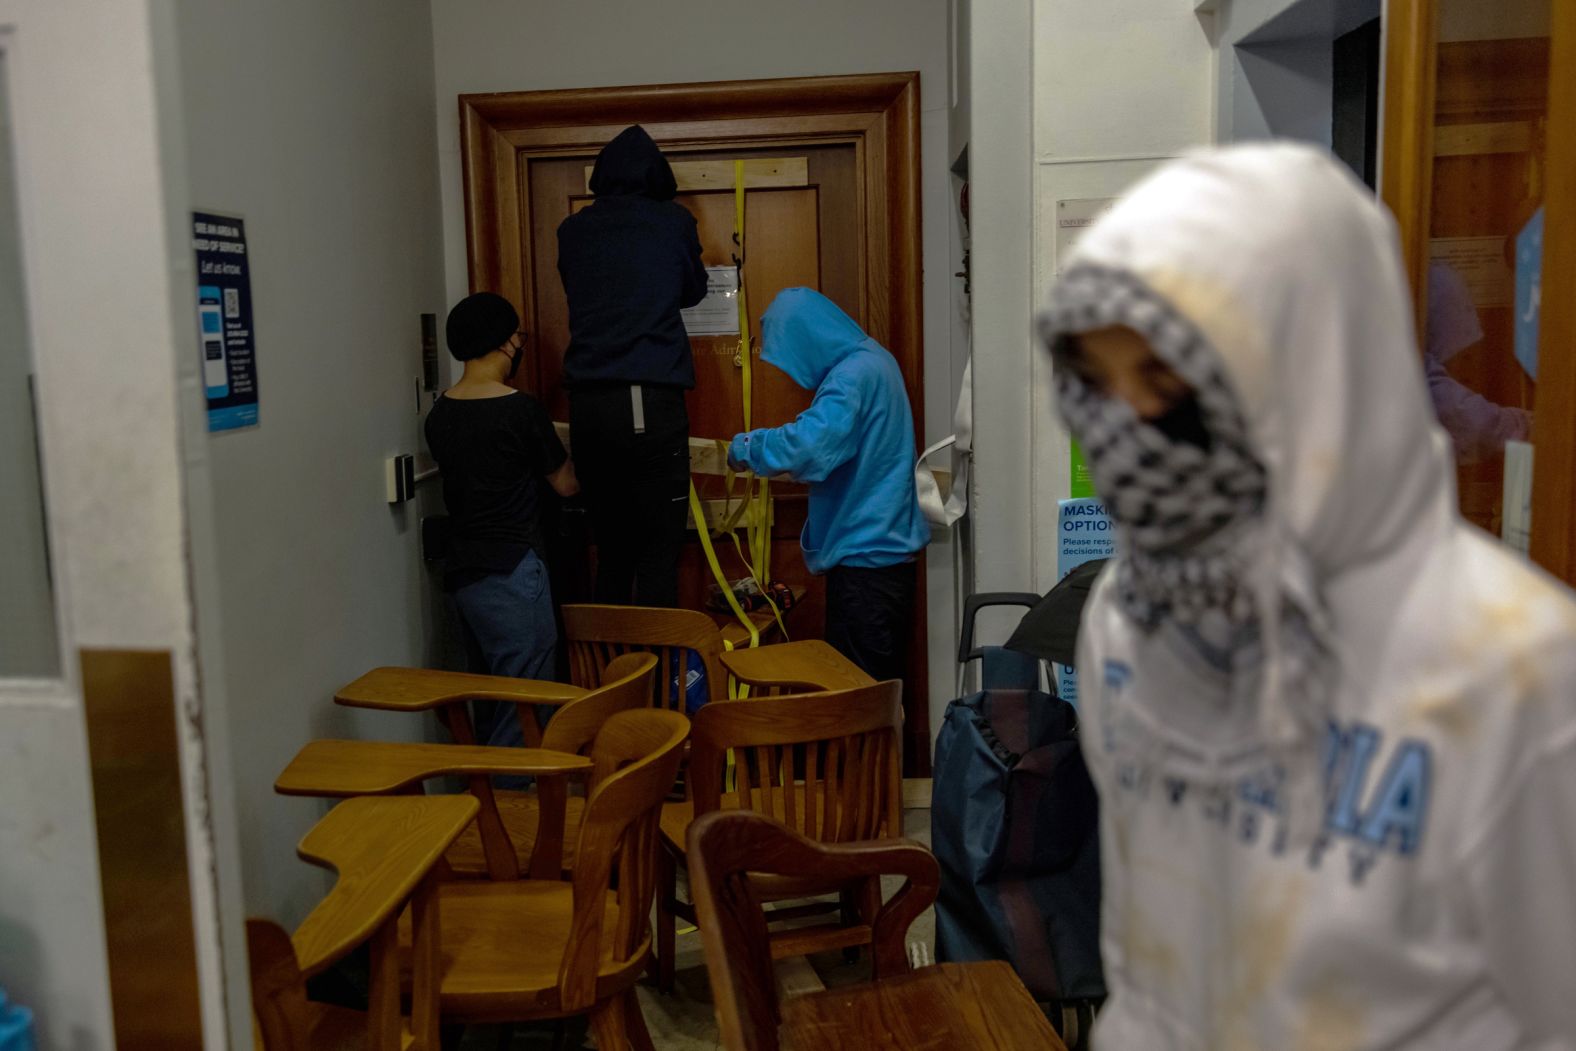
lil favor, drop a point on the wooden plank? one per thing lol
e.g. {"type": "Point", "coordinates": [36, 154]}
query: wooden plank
{"type": "Point", "coordinates": [1464, 140]}
{"type": "Point", "coordinates": [129, 701]}
{"type": "Point", "coordinates": [951, 1005]}
{"type": "Point", "coordinates": [759, 173]}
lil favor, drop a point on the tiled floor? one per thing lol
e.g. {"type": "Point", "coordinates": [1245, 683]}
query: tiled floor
{"type": "Point", "coordinates": [683, 1021]}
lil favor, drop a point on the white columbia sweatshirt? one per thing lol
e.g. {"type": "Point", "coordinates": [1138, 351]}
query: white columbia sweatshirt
{"type": "Point", "coordinates": [1436, 906]}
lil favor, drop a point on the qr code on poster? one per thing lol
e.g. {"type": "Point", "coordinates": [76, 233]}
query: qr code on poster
{"type": "Point", "coordinates": [232, 302]}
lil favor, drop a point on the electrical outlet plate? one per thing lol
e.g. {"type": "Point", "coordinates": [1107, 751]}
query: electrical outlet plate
{"type": "Point", "coordinates": [399, 477]}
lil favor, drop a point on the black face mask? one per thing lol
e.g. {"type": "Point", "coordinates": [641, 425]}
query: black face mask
{"type": "Point", "coordinates": [1183, 423]}
{"type": "Point", "coordinates": [514, 363]}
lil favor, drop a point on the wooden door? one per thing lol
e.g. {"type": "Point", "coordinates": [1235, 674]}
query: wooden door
{"type": "Point", "coordinates": [831, 203]}
{"type": "Point", "coordinates": [1479, 140]}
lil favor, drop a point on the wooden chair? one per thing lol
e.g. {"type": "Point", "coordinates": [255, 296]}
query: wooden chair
{"type": "Point", "coordinates": [828, 765]}
{"type": "Point", "coordinates": [510, 822]}
{"type": "Point", "coordinates": [528, 817]}
{"type": "Point", "coordinates": [599, 634]}
{"type": "Point", "coordinates": [970, 1007]}
{"type": "Point", "coordinates": [385, 852]}
{"type": "Point", "coordinates": [545, 949]}
{"type": "Point", "coordinates": [356, 768]}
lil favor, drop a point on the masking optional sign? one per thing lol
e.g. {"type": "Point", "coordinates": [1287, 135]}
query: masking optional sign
{"type": "Point", "coordinates": [1084, 532]}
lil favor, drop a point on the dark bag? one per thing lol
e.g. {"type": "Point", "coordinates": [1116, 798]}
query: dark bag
{"type": "Point", "coordinates": [1014, 824]}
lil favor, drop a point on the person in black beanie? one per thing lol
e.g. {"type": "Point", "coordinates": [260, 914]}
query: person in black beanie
{"type": "Point", "coordinates": [495, 446]}
{"type": "Point", "coordinates": [630, 262]}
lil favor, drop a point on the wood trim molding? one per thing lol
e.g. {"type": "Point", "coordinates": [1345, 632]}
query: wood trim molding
{"type": "Point", "coordinates": [129, 702]}
{"type": "Point", "coordinates": [665, 103]}
{"type": "Point", "coordinates": [1554, 427]}
{"type": "Point", "coordinates": [1406, 165]}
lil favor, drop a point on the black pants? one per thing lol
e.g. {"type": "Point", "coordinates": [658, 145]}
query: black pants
{"type": "Point", "coordinates": [636, 488]}
{"type": "Point", "coordinates": [869, 614]}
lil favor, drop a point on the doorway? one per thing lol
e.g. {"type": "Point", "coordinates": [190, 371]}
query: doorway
{"type": "Point", "coordinates": [831, 202]}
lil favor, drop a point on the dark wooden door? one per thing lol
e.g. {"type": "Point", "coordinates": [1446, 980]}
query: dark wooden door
{"type": "Point", "coordinates": [831, 203]}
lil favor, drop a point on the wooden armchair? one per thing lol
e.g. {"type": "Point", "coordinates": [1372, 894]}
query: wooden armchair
{"type": "Point", "coordinates": [827, 765]}
{"type": "Point", "coordinates": [550, 814]}
{"type": "Point", "coordinates": [384, 852]}
{"type": "Point", "coordinates": [978, 1007]}
{"type": "Point", "coordinates": [530, 817]}
{"type": "Point", "coordinates": [597, 635]}
{"type": "Point", "coordinates": [545, 949]}
{"type": "Point", "coordinates": [358, 768]}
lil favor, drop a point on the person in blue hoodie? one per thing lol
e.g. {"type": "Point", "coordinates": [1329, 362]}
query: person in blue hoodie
{"type": "Point", "coordinates": [854, 445]}
{"type": "Point", "coordinates": [629, 263]}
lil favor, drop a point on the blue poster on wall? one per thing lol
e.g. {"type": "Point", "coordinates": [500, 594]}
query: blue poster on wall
{"type": "Point", "coordinates": [1529, 292]}
{"type": "Point", "coordinates": [224, 321]}
{"type": "Point", "coordinates": [1084, 532]}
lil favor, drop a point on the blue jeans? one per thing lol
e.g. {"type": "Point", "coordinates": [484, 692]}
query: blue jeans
{"type": "Point", "coordinates": [510, 616]}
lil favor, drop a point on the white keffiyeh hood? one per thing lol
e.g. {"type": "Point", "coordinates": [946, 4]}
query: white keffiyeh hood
{"type": "Point", "coordinates": [1265, 276]}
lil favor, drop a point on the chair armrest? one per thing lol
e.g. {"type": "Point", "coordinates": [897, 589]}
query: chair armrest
{"type": "Point", "coordinates": [381, 850]}
{"type": "Point", "coordinates": [356, 768]}
{"type": "Point", "coordinates": [423, 689]}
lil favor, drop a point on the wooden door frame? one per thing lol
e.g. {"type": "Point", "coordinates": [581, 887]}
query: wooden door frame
{"type": "Point", "coordinates": [878, 114]}
{"type": "Point", "coordinates": [1554, 433]}
{"type": "Point", "coordinates": [1406, 158]}
{"type": "Point", "coordinates": [1407, 164]}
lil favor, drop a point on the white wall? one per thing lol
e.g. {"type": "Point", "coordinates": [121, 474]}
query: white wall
{"type": "Point", "coordinates": [87, 85]}
{"type": "Point", "coordinates": [28, 645]}
{"type": "Point", "coordinates": [1118, 87]}
{"type": "Point", "coordinates": [1277, 65]}
{"type": "Point", "coordinates": [314, 122]}
{"type": "Point", "coordinates": [1000, 122]}
{"type": "Point", "coordinates": [497, 45]}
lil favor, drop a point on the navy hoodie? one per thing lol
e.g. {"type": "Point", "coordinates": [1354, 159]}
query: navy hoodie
{"type": "Point", "coordinates": [629, 262]}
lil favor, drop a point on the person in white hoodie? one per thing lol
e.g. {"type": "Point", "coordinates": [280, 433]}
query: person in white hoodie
{"type": "Point", "coordinates": [1333, 727]}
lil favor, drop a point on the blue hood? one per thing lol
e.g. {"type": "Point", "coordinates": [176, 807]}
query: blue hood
{"type": "Point", "coordinates": [854, 445]}
{"type": "Point", "coordinates": [806, 335]}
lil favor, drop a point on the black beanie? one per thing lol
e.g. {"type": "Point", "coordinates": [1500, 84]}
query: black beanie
{"type": "Point", "coordinates": [480, 323]}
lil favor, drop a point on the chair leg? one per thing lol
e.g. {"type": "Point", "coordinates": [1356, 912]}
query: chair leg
{"type": "Point", "coordinates": [667, 925]}
{"type": "Point", "coordinates": [639, 1035]}
{"type": "Point", "coordinates": [610, 1025]}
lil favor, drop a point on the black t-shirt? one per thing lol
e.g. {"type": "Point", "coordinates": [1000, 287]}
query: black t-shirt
{"type": "Point", "coordinates": [493, 453]}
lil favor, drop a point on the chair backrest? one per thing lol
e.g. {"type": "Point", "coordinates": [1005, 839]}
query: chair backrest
{"type": "Point", "coordinates": [598, 634]}
{"type": "Point", "coordinates": [627, 683]}
{"type": "Point", "coordinates": [726, 848]}
{"type": "Point", "coordinates": [636, 757]}
{"type": "Point", "coordinates": [828, 765]}
{"type": "Point", "coordinates": [383, 850]}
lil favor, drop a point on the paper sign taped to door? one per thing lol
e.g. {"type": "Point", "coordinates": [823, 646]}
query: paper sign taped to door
{"type": "Point", "coordinates": [1481, 263]}
{"type": "Point", "coordinates": [718, 313]}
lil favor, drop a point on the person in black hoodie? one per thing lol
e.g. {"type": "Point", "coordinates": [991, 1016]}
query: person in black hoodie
{"type": "Point", "coordinates": [630, 262]}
